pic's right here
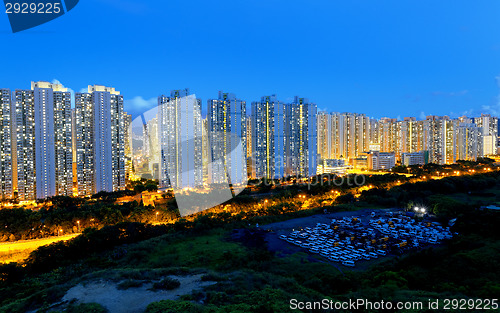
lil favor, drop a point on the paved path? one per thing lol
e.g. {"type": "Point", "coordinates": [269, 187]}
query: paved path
{"type": "Point", "coordinates": [32, 244]}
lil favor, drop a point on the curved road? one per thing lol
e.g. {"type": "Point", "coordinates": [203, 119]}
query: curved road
{"type": "Point", "coordinates": [30, 245]}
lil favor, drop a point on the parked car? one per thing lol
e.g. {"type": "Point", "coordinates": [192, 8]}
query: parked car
{"type": "Point", "coordinates": [348, 263]}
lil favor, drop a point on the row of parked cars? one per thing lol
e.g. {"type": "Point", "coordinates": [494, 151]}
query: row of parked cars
{"type": "Point", "coordinates": [324, 241]}
{"type": "Point", "coordinates": [409, 229]}
{"type": "Point", "coordinates": [349, 240]}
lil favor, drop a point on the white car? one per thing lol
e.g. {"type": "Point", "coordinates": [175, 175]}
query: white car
{"type": "Point", "coordinates": [348, 263]}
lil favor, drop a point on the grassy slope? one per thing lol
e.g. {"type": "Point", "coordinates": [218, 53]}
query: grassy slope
{"type": "Point", "coordinates": [253, 280]}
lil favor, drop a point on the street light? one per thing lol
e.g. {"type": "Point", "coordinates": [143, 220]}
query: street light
{"type": "Point", "coordinates": [420, 210]}
{"type": "Point", "coordinates": [157, 216]}
{"type": "Point", "coordinates": [78, 222]}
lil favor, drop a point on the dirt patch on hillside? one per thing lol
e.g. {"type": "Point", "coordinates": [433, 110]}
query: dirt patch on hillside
{"type": "Point", "coordinates": [132, 300]}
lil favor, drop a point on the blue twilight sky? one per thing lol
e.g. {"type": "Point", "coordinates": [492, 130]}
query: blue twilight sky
{"type": "Point", "coordinates": [384, 58]}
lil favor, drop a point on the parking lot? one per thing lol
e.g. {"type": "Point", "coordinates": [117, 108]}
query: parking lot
{"type": "Point", "coordinates": [351, 239]}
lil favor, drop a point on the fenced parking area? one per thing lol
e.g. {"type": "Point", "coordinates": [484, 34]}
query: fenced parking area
{"type": "Point", "coordinates": [351, 239]}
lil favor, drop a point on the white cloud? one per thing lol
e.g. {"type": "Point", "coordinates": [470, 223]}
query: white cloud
{"type": "Point", "coordinates": [491, 109]}
{"type": "Point", "coordinates": [139, 103]}
{"type": "Point", "coordinates": [57, 81]}
{"type": "Point", "coordinates": [467, 113]}
{"type": "Point", "coordinates": [422, 115]}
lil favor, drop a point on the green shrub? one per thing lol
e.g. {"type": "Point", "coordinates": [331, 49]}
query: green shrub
{"type": "Point", "coordinates": [167, 284]}
{"type": "Point", "coordinates": [213, 277]}
{"type": "Point", "coordinates": [169, 306]}
{"type": "Point", "coordinates": [130, 283]}
{"type": "Point", "coordinates": [86, 308]}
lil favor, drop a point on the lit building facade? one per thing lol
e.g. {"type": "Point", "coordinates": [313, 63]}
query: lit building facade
{"type": "Point", "coordinates": [42, 143]}
{"type": "Point", "coordinates": [249, 136]}
{"type": "Point", "coordinates": [446, 140]}
{"type": "Point", "coordinates": [331, 166]}
{"type": "Point", "coordinates": [180, 133]}
{"type": "Point", "coordinates": [434, 138]}
{"type": "Point", "coordinates": [488, 127]}
{"type": "Point", "coordinates": [127, 144]}
{"type": "Point", "coordinates": [327, 135]}
{"type": "Point", "coordinates": [301, 138]}
{"type": "Point", "coordinates": [226, 123]}
{"type": "Point", "coordinates": [53, 143]}
{"type": "Point", "coordinates": [344, 135]}
{"type": "Point", "coordinates": [100, 142]}
{"type": "Point", "coordinates": [353, 134]}
{"type": "Point", "coordinates": [268, 138]}
{"type": "Point", "coordinates": [468, 136]}
{"type": "Point", "coordinates": [389, 135]}
{"type": "Point", "coordinates": [415, 158]}
{"type": "Point", "coordinates": [73, 148]}
{"type": "Point", "coordinates": [6, 166]}
{"type": "Point", "coordinates": [411, 136]}
{"type": "Point", "coordinates": [206, 151]}
{"type": "Point", "coordinates": [153, 148]}
{"type": "Point", "coordinates": [24, 135]}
